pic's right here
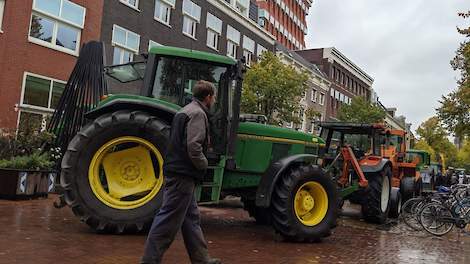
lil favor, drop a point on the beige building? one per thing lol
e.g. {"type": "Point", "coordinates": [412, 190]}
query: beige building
{"type": "Point", "coordinates": [316, 94]}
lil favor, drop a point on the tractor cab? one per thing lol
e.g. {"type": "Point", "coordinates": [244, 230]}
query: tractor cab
{"type": "Point", "coordinates": [354, 152]}
{"type": "Point", "coordinates": [352, 146]}
{"type": "Point", "coordinates": [164, 82]}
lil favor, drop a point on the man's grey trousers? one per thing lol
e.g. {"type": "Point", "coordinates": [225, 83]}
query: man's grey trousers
{"type": "Point", "coordinates": [179, 211]}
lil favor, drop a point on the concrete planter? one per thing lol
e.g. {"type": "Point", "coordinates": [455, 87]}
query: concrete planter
{"type": "Point", "coordinates": [17, 184]}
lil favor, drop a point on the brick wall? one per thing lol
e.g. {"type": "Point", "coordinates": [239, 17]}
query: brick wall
{"type": "Point", "coordinates": [18, 55]}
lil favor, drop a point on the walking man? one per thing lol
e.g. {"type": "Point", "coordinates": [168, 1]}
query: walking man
{"type": "Point", "coordinates": [185, 165]}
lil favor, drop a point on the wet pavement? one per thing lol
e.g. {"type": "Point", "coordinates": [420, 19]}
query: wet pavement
{"type": "Point", "coordinates": [35, 232]}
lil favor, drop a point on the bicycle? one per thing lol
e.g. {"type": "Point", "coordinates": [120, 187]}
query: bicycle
{"type": "Point", "coordinates": [438, 218]}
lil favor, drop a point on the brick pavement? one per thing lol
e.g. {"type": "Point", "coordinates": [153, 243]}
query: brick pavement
{"type": "Point", "coordinates": [37, 233]}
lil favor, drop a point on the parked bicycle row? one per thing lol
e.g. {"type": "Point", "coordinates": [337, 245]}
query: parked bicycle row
{"type": "Point", "coordinates": [438, 212]}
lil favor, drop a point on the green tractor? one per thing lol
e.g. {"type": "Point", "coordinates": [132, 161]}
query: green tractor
{"type": "Point", "coordinates": [422, 159]}
{"type": "Point", "coordinates": [112, 169]}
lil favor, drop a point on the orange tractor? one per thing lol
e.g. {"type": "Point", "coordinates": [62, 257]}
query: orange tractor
{"type": "Point", "coordinates": [367, 161]}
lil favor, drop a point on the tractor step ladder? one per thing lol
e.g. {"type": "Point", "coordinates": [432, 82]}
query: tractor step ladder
{"type": "Point", "coordinates": [209, 190]}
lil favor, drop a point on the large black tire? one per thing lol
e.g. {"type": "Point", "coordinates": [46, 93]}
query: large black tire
{"type": "Point", "coordinates": [395, 203]}
{"type": "Point", "coordinates": [284, 217]}
{"type": "Point", "coordinates": [407, 188]}
{"type": "Point", "coordinates": [419, 187]}
{"type": "Point", "coordinates": [261, 215]}
{"type": "Point", "coordinates": [75, 165]}
{"type": "Point", "coordinates": [377, 196]}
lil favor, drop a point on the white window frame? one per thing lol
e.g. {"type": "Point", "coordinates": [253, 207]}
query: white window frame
{"type": "Point", "coordinates": [213, 32]}
{"type": "Point", "coordinates": [194, 27]}
{"type": "Point", "coordinates": [135, 7]}
{"type": "Point", "coordinates": [38, 109]}
{"type": "Point", "coordinates": [313, 95]}
{"type": "Point", "coordinates": [125, 47]}
{"type": "Point", "coordinates": [169, 6]}
{"type": "Point", "coordinates": [57, 21]}
{"type": "Point", "coordinates": [260, 49]}
{"type": "Point", "coordinates": [232, 41]}
{"type": "Point", "coordinates": [246, 8]}
{"type": "Point", "coordinates": [212, 39]}
{"type": "Point", "coordinates": [234, 49]}
{"type": "Point", "coordinates": [189, 16]}
{"type": "Point", "coordinates": [2, 11]}
{"type": "Point", "coordinates": [248, 49]}
{"type": "Point", "coordinates": [248, 57]}
{"type": "Point", "coordinates": [322, 99]}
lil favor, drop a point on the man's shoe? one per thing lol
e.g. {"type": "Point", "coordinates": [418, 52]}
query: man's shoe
{"type": "Point", "coordinates": [214, 261]}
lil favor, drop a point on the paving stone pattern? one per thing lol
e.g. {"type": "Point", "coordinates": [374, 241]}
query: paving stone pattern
{"type": "Point", "coordinates": [35, 232]}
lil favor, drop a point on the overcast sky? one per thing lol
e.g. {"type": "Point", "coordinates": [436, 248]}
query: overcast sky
{"type": "Point", "coordinates": [405, 46]}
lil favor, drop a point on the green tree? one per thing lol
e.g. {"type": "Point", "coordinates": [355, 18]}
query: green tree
{"type": "Point", "coordinates": [423, 145]}
{"type": "Point", "coordinates": [455, 106]}
{"type": "Point", "coordinates": [273, 89]}
{"type": "Point", "coordinates": [361, 111]}
{"type": "Point", "coordinates": [434, 134]}
{"type": "Point", "coordinates": [312, 114]}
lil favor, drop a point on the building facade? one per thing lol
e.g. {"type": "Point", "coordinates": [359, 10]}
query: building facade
{"type": "Point", "coordinates": [316, 94]}
{"type": "Point", "coordinates": [39, 44]}
{"type": "Point", "coordinates": [131, 27]}
{"type": "Point", "coordinates": [40, 41]}
{"type": "Point", "coordinates": [348, 80]}
{"type": "Point", "coordinates": [285, 20]}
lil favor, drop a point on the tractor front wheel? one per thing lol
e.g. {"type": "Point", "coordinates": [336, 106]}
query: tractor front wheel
{"type": "Point", "coordinates": [377, 200]}
{"type": "Point", "coordinates": [112, 171]}
{"type": "Point", "coordinates": [304, 204]}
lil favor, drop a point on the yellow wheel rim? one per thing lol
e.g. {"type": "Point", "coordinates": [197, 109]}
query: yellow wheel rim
{"type": "Point", "coordinates": [122, 172]}
{"type": "Point", "coordinates": [311, 203]}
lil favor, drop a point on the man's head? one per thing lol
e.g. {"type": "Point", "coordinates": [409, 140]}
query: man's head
{"type": "Point", "coordinates": [204, 91]}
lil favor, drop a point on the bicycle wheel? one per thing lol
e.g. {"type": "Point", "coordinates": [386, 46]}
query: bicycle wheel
{"type": "Point", "coordinates": [409, 214]}
{"type": "Point", "coordinates": [436, 219]}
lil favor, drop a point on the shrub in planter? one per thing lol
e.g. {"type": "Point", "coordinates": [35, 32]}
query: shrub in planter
{"type": "Point", "coordinates": [25, 168]}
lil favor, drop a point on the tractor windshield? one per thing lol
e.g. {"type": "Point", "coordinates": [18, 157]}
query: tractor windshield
{"type": "Point", "coordinates": [175, 78]}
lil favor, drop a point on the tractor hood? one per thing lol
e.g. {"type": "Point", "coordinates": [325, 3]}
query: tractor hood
{"type": "Point", "coordinates": [256, 129]}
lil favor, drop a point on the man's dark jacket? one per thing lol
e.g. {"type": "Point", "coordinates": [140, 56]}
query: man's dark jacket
{"type": "Point", "coordinates": [186, 153]}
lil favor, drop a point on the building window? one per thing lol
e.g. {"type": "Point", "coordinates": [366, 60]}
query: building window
{"type": "Point", "coordinates": [214, 29]}
{"type": "Point", "coordinates": [163, 10]}
{"type": "Point", "coordinates": [233, 41]}
{"type": "Point", "coordinates": [248, 49]}
{"type": "Point", "coordinates": [132, 3]}
{"type": "Point", "coordinates": [242, 6]}
{"type": "Point", "coordinates": [260, 49]}
{"type": "Point", "coordinates": [126, 43]}
{"type": "Point", "coordinates": [39, 97]}
{"type": "Point", "coordinates": [2, 7]}
{"type": "Point", "coordinates": [191, 16]}
{"type": "Point", "coordinates": [313, 95]}
{"type": "Point", "coordinates": [57, 24]}
{"type": "Point", "coordinates": [322, 99]}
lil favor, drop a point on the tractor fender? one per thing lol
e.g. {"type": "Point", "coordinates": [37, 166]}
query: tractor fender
{"type": "Point", "coordinates": [163, 112]}
{"type": "Point", "coordinates": [273, 173]}
{"type": "Point", "coordinates": [377, 167]}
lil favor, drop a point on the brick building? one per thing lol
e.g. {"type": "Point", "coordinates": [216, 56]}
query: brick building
{"type": "Point", "coordinates": [40, 40]}
{"type": "Point", "coordinates": [130, 27]}
{"type": "Point", "coordinates": [348, 80]}
{"type": "Point", "coordinates": [39, 44]}
{"type": "Point", "coordinates": [285, 20]}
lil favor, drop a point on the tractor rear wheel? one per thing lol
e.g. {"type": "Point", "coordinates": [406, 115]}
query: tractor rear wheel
{"type": "Point", "coordinates": [112, 171]}
{"type": "Point", "coordinates": [304, 204]}
{"type": "Point", "coordinates": [407, 188]}
{"type": "Point", "coordinates": [377, 200]}
{"type": "Point", "coordinates": [395, 203]}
